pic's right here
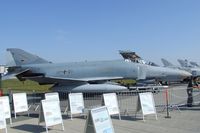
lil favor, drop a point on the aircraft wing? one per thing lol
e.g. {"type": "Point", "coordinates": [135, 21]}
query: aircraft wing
{"type": "Point", "coordinates": [84, 79]}
{"type": "Point", "coordinates": [53, 80]}
{"type": "Point", "coordinates": [72, 81]}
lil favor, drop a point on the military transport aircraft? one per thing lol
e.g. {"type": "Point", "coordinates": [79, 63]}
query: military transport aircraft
{"type": "Point", "coordinates": [194, 70]}
{"type": "Point", "coordinates": [84, 76]}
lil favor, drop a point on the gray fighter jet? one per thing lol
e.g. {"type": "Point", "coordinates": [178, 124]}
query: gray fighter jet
{"type": "Point", "coordinates": [193, 67]}
{"type": "Point", "coordinates": [166, 63]}
{"type": "Point", "coordinates": [194, 64]}
{"type": "Point", "coordinates": [195, 71]}
{"type": "Point", "coordinates": [84, 76]}
{"type": "Point", "coordinates": [132, 56]}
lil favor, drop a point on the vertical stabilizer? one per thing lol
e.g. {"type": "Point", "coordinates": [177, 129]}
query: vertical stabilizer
{"type": "Point", "coordinates": [18, 57]}
{"type": "Point", "coordinates": [183, 63]}
{"type": "Point", "coordinates": [167, 63]}
{"type": "Point", "coordinates": [194, 64]}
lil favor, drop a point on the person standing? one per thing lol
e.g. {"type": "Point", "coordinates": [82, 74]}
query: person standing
{"type": "Point", "coordinates": [192, 84]}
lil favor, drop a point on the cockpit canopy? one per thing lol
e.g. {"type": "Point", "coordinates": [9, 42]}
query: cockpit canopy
{"type": "Point", "coordinates": [133, 57]}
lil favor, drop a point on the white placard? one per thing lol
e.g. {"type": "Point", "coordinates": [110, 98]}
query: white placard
{"type": "Point", "coordinates": [52, 96]}
{"type": "Point", "coordinates": [6, 107]}
{"type": "Point", "coordinates": [147, 104]}
{"type": "Point", "coordinates": [2, 118]}
{"type": "Point", "coordinates": [76, 103]}
{"type": "Point", "coordinates": [20, 102]}
{"type": "Point", "coordinates": [52, 113]}
{"type": "Point", "coordinates": [101, 121]}
{"type": "Point", "coordinates": [110, 101]}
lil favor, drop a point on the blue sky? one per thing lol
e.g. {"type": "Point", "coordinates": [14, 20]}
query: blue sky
{"type": "Point", "coordinates": [77, 30]}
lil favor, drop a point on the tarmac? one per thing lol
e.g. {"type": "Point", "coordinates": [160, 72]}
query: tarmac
{"type": "Point", "coordinates": [187, 120]}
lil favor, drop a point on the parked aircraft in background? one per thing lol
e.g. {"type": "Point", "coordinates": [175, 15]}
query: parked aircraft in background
{"type": "Point", "coordinates": [194, 64]}
{"type": "Point", "coordinates": [166, 63]}
{"type": "Point", "coordinates": [195, 71]}
{"type": "Point", "coordinates": [183, 63]}
{"type": "Point", "coordinates": [133, 57]}
{"type": "Point", "coordinates": [84, 76]}
{"type": "Point", "coordinates": [193, 68]}
{"type": "Point", "coordinates": [186, 63]}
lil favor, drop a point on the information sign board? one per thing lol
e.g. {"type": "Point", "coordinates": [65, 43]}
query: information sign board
{"type": "Point", "coordinates": [51, 113]}
{"type": "Point", "coordinates": [99, 121]}
{"type": "Point", "coordinates": [110, 101]}
{"type": "Point", "coordinates": [6, 107]}
{"type": "Point", "coordinates": [2, 118]}
{"type": "Point", "coordinates": [20, 103]}
{"type": "Point", "coordinates": [147, 104]}
{"type": "Point", "coordinates": [76, 103]}
{"type": "Point", "coordinates": [52, 96]}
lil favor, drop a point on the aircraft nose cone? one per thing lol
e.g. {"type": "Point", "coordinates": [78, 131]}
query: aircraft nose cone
{"type": "Point", "coordinates": [186, 74]}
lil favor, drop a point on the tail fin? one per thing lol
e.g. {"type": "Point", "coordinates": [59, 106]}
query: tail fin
{"type": "Point", "coordinates": [166, 63]}
{"type": "Point", "coordinates": [183, 63]}
{"type": "Point", "coordinates": [194, 64]}
{"type": "Point", "coordinates": [18, 57]}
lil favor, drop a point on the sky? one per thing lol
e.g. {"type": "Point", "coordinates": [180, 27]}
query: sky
{"type": "Point", "coordinates": [79, 30]}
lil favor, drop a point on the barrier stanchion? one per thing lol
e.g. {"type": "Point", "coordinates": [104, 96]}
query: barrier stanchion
{"type": "Point", "coordinates": [167, 103]}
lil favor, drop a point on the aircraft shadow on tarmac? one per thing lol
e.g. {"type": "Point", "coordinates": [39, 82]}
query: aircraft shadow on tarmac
{"type": "Point", "coordinates": [30, 128]}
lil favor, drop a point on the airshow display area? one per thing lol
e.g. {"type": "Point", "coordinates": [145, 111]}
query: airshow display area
{"type": "Point", "coordinates": [86, 99]}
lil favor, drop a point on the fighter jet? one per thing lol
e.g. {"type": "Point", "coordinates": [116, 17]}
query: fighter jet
{"type": "Point", "coordinates": [194, 64]}
{"type": "Point", "coordinates": [166, 63]}
{"type": "Point", "coordinates": [133, 57]}
{"type": "Point", "coordinates": [185, 63]}
{"type": "Point", "coordinates": [83, 76]}
{"type": "Point", "coordinates": [184, 66]}
{"type": "Point", "coordinates": [193, 68]}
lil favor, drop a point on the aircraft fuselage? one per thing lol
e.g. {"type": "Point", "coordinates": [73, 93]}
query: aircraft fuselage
{"type": "Point", "coordinates": [104, 69]}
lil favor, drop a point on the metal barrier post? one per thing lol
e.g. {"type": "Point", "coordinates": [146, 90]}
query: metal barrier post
{"type": "Point", "coordinates": [167, 104]}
